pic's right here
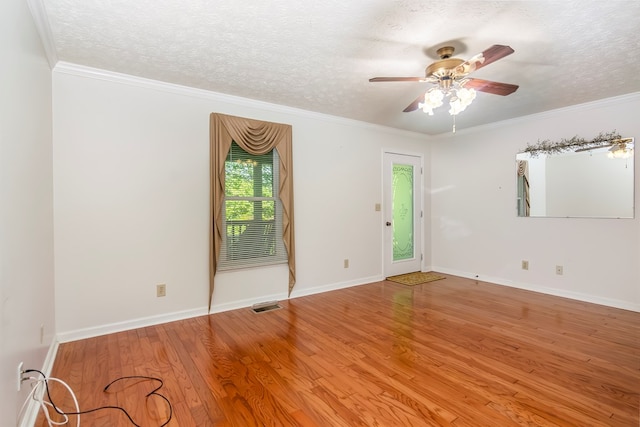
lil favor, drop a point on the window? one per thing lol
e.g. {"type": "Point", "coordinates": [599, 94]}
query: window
{"type": "Point", "coordinates": [257, 137]}
{"type": "Point", "coordinates": [252, 211]}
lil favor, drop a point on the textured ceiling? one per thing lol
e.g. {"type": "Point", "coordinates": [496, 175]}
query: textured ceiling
{"type": "Point", "coordinates": [319, 55]}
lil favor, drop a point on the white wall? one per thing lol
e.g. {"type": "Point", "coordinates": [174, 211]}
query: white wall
{"type": "Point", "coordinates": [475, 230]}
{"type": "Point", "coordinates": [26, 221]}
{"type": "Point", "coordinates": [131, 185]}
{"type": "Point", "coordinates": [131, 174]}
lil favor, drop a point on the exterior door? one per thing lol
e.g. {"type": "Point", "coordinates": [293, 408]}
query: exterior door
{"type": "Point", "coordinates": [402, 221]}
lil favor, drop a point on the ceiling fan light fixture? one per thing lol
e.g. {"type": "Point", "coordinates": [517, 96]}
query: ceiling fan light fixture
{"type": "Point", "coordinates": [461, 98]}
{"type": "Point", "coordinates": [433, 98]}
{"type": "Point", "coordinates": [464, 97]}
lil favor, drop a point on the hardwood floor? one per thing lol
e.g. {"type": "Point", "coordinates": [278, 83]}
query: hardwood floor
{"type": "Point", "coordinates": [455, 352]}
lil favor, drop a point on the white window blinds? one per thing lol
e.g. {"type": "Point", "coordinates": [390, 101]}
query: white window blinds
{"type": "Point", "coordinates": [253, 211]}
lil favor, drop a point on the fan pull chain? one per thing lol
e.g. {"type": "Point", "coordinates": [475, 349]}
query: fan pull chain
{"type": "Point", "coordinates": [454, 123]}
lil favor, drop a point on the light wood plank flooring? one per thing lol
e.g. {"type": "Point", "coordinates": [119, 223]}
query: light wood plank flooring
{"type": "Point", "coordinates": [454, 352]}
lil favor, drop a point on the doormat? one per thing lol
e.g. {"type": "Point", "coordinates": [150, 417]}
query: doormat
{"type": "Point", "coordinates": [416, 278]}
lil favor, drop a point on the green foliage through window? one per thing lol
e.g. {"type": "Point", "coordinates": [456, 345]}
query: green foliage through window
{"type": "Point", "coordinates": [249, 178]}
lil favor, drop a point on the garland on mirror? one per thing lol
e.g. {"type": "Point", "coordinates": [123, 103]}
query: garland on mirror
{"type": "Point", "coordinates": [556, 147]}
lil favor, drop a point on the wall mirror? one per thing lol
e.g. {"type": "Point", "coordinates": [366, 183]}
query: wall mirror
{"type": "Point", "coordinates": [585, 183]}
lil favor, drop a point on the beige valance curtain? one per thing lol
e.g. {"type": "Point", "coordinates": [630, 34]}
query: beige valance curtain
{"type": "Point", "coordinates": [255, 137]}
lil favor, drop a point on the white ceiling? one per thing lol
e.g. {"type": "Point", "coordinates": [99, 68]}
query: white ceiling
{"type": "Point", "coordinates": [319, 55]}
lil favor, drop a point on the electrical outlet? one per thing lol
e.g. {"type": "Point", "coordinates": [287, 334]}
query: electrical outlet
{"type": "Point", "coordinates": [346, 263]}
{"type": "Point", "coordinates": [559, 270]}
{"type": "Point", "coordinates": [19, 377]}
{"type": "Point", "coordinates": [161, 290]}
{"type": "Point", "coordinates": [525, 264]}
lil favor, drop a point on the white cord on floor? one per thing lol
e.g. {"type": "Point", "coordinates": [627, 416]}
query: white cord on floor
{"type": "Point", "coordinates": [37, 394]}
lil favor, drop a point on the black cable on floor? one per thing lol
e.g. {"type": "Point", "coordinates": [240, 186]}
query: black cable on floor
{"type": "Point", "coordinates": [141, 377]}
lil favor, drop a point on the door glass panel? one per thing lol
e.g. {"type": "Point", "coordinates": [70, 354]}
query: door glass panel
{"type": "Point", "coordinates": [402, 207]}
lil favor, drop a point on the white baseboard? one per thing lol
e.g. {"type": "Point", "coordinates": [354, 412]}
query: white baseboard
{"type": "Point", "coordinates": [129, 324]}
{"type": "Point", "coordinates": [31, 411]}
{"type": "Point", "coordinates": [579, 296]}
{"type": "Point", "coordinates": [234, 305]}
{"type": "Point", "coordinates": [335, 286]}
{"type": "Point", "coordinates": [47, 365]}
{"type": "Point", "coordinates": [170, 317]}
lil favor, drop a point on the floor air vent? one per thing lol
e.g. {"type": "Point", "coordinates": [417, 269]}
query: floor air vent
{"type": "Point", "coordinates": [261, 307]}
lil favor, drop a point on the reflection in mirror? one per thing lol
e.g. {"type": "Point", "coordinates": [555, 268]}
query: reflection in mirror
{"type": "Point", "coordinates": [594, 183]}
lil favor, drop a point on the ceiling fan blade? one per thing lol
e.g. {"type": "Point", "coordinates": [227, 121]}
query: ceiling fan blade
{"type": "Point", "coordinates": [414, 105]}
{"type": "Point", "coordinates": [495, 52]}
{"type": "Point", "coordinates": [487, 86]}
{"type": "Point", "coordinates": [398, 79]}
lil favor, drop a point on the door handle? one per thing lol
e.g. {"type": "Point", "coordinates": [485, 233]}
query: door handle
{"type": "Point", "coordinates": [388, 224]}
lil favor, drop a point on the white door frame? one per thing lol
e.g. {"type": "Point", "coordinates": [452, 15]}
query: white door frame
{"type": "Point", "coordinates": [390, 267]}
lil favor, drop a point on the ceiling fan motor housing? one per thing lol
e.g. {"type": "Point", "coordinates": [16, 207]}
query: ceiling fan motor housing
{"type": "Point", "coordinates": [443, 67]}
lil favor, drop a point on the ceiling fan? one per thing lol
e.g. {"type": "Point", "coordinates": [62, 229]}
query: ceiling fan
{"type": "Point", "coordinates": [450, 75]}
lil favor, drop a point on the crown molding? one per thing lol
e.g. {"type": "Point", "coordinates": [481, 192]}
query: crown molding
{"type": "Point", "coordinates": [111, 76]}
{"type": "Point", "coordinates": [127, 79]}
{"type": "Point", "coordinates": [39, 14]}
